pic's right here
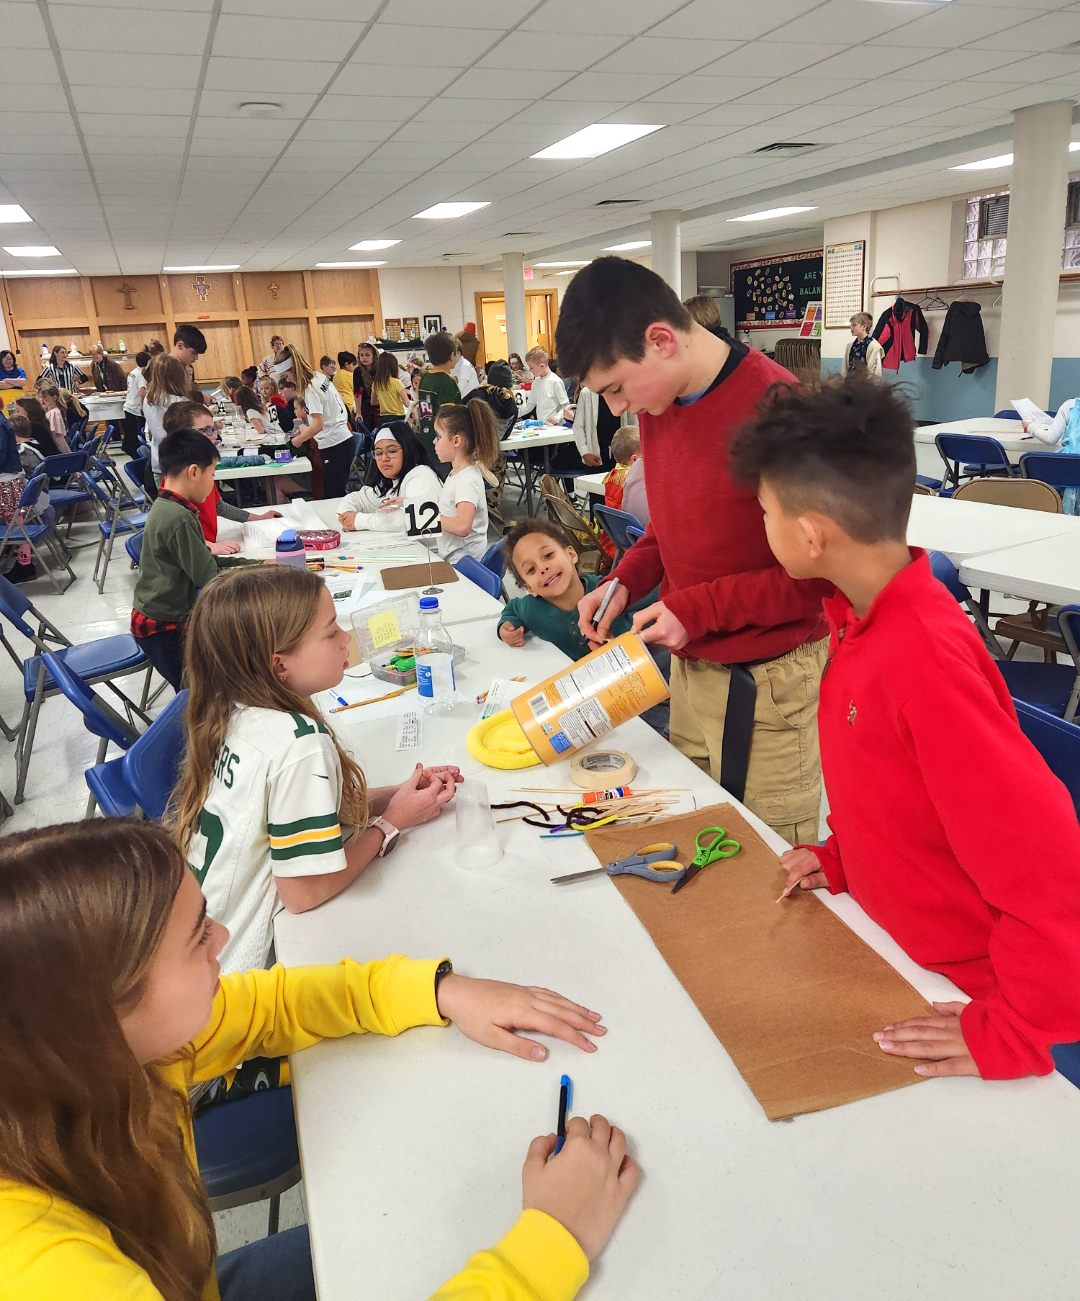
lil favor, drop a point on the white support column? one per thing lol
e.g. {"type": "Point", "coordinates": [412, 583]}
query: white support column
{"type": "Point", "coordinates": [517, 335]}
{"type": "Point", "coordinates": [667, 247]}
{"type": "Point", "coordinates": [1040, 177]}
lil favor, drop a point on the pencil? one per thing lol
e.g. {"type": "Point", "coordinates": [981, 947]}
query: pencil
{"type": "Point", "coordinates": [373, 701]}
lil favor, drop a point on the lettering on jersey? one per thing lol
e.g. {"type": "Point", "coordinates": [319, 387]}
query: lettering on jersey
{"type": "Point", "coordinates": [307, 726]}
{"type": "Point", "coordinates": [226, 767]}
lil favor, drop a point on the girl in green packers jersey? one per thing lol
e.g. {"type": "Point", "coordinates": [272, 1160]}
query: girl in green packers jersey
{"type": "Point", "coordinates": [270, 809]}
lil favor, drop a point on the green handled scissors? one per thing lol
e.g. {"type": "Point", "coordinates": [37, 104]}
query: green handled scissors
{"type": "Point", "coordinates": [718, 846]}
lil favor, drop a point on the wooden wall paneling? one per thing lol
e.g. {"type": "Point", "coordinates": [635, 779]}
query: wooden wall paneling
{"type": "Point", "coordinates": [293, 329]}
{"type": "Point", "coordinates": [170, 310]}
{"type": "Point", "coordinates": [225, 351]}
{"type": "Point", "coordinates": [312, 318]}
{"type": "Point", "coordinates": [30, 359]}
{"type": "Point", "coordinates": [91, 310]}
{"type": "Point", "coordinates": [342, 334]}
{"type": "Point", "coordinates": [184, 291]}
{"type": "Point", "coordinates": [345, 291]}
{"type": "Point", "coordinates": [135, 335]}
{"type": "Point", "coordinates": [34, 298]}
{"type": "Point", "coordinates": [271, 293]}
{"type": "Point", "coordinates": [113, 293]}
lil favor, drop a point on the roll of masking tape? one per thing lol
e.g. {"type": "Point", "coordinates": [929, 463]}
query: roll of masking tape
{"type": "Point", "coordinates": [599, 769]}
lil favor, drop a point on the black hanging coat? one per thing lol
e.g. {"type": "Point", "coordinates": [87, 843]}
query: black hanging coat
{"type": "Point", "coordinates": [962, 338]}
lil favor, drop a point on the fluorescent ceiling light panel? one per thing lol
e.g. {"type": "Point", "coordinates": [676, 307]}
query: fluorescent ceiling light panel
{"type": "Point", "coordinates": [443, 211]}
{"type": "Point", "coordinates": [769, 213]}
{"type": "Point", "coordinates": [634, 243]}
{"type": "Point", "coordinates": [233, 267]}
{"type": "Point", "coordinates": [10, 213]}
{"type": "Point", "coordinates": [57, 271]}
{"type": "Point", "coordinates": [33, 250]}
{"type": "Point", "coordinates": [985, 164]}
{"type": "Point", "coordinates": [373, 245]}
{"type": "Point", "coordinates": [600, 138]}
{"type": "Point", "coordinates": [583, 263]}
{"type": "Point", "coordinates": [330, 265]}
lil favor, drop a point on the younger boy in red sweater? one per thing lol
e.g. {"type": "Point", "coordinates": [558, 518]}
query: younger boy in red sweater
{"type": "Point", "coordinates": [948, 828]}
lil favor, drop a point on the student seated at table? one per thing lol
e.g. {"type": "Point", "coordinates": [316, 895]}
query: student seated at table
{"type": "Point", "coordinates": [175, 561]}
{"type": "Point", "coordinates": [270, 809]}
{"type": "Point", "coordinates": [548, 391]}
{"type": "Point", "coordinates": [466, 439]}
{"type": "Point", "coordinates": [401, 489]}
{"type": "Point", "coordinates": [193, 415]}
{"type": "Point", "coordinates": [542, 558]}
{"type": "Point", "coordinates": [948, 828]}
{"type": "Point", "coordinates": [625, 451]}
{"type": "Point", "coordinates": [114, 1013]}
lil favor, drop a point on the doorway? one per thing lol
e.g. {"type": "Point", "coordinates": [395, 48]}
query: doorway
{"type": "Point", "coordinates": [541, 318]}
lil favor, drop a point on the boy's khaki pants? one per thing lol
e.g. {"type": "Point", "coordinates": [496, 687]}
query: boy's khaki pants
{"type": "Point", "coordinates": [783, 781]}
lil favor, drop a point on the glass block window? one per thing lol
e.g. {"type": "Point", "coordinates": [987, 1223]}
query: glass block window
{"type": "Point", "coordinates": [985, 241]}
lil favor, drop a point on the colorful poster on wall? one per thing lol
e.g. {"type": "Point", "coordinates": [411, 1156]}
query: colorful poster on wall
{"type": "Point", "coordinates": [772, 293]}
{"type": "Point", "coordinates": [843, 283]}
{"type": "Point", "coordinates": [811, 323]}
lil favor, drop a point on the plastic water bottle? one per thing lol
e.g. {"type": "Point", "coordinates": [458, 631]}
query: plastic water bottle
{"type": "Point", "coordinates": [434, 659]}
{"type": "Point", "coordinates": [290, 550]}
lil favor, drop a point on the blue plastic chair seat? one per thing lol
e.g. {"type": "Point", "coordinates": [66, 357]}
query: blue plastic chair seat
{"type": "Point", "coordinates": [151, 765]}
{"type": "Point", "coordinates": [113, 794]}
{"type": "Point", "coordinates": [107, 657]}
{"type": "Point", "coordinates": [125, 524]}
{"type": "Point", "coordinates": [471, 568]}
{"type": "Point", "coordinates": [61, 497]}
{"type": "Point", "coordinates": [1046, 686]}
{"type": "Point", "coordinates": [246, 1143]}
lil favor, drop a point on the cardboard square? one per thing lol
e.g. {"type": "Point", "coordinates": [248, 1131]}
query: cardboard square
{"type": "Point", "coordinates": [417, 575]}
{"type": "Point", "coordinates": [792, 993]}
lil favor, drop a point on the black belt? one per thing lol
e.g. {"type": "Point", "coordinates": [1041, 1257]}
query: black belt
{"type": "Point", "coordinates": [738, 729]}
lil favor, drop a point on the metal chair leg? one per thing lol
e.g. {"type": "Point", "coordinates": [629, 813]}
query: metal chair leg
{"type": "Point", "coordinates": [275, 1210]}
{"type": "Point", "coordinates": [29, 728]}
{"type": "Point", "coordinates": [91, 803]}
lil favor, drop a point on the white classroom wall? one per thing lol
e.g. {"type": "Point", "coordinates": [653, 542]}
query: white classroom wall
{"type": "Point", "coordinates": [449, 291]}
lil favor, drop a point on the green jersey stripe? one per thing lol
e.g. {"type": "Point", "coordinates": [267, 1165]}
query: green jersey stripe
{"type": "Point", "coordinates": [278, 829]}
{"type": "Point", "coordinates": [309, 847]}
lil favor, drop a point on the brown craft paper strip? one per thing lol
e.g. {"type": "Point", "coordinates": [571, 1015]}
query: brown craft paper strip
{"type": "Point", "coordinates": [417, 575]}
{"type": "Point", "coordinates": [792, 994]}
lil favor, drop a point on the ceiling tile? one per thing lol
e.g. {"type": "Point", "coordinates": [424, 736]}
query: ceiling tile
{"type": "Point", "coordinates": [959, 64]}
{"type": "Point", "coordinates": [788, 92]}
{"type": "Point", "coordinates": [661, 112]}
{"type": "Point", "coordinates": [97, 27]}
{"type": "Point", "coordinates": [863, 61]}
{"type": "Point", "coordinates": [319, 10]}
{"type": "Point", "coordinates": [372, 80]}
{"type": "Point", "coordinates": [226, 104]}
{"type": "Point", "coordinates": [956, 24]}
{"type": "Point", "coordinates": [604, 16]}
{"type": "Point", "coordinates": [709, 90]}
{"type": "Point", "coordinates": [23, 28]}
{"type": "Point", "coordinates": [769, 59]}
{"type": "Point", "coordinates": [663, 54]}
{"type": "Point", "coordinates": [1048, 32]}
{"type": "Point", "coordinates": [316, 42]}
{"type": "Point", "coordinates": [124, 124]}
{"type": "Point", "coordinates": [32, 98]}
{"type": "Point", "coordinates": [735, 20]}
{"type": "Point", "coordinates": [148, 71]}
{"type": "Point", "coordinates": [30, 67]}
{"type": "Point", "coordinates": [422, 15]}
{"type": "Point", "coordinates": [498, 83]}
{"type": "Point", "coordinates": [477, 111]}
{"type": "Point", "coordinates": [133, 99]}
{"type": "Point", "coordinates": [522, 50]}
{"type": "Point", "coordinates": [1039, 67]}
{"type": "Point", "coordinates": [259, 77]}
{"type": "Point", "coordinates": [454, 47]}
{"type": "Point", "coordinates": [360, 110]}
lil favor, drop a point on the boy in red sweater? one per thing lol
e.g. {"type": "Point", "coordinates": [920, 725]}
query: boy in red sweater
{"type": "Point", "coordinates": [948, 828]}
{"type": "Point", "coordinates": [740, 629]}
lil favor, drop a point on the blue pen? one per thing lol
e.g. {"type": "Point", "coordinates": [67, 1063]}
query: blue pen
{"type": "Point", "coordinates": [566, 1101]}
{"type": "Point", "coordinates": [340, 699]}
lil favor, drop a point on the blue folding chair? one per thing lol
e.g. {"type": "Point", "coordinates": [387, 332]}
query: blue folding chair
{"type": "Point", "coordinates": [152, 764]}
{"type": "Point", "coordinates": [68, 486]}
{"type": "Point", "coordinates": [114, 522]}
{"type": "Point", "coordinates": [102, 661]}
{"type": "Point", "coordinates": [978, 454]}
{"type": "Point", "coordinates": [480, 575]}
{"type": "Point", "coordinates": [1057, 741]}
{"type": "Point", "coordinates": [247, 1151]}
{"type": "Point", "coordinates": [133, 546]}
{"type": "Point", "coordinates": [133, 470]}
{"type": "Point", "coordinates": [634, 532]}
{"type": "Point", "coordinates": [946, 572]}
{"type": "Point", "coordinates": [615, 523]}
{"type": "Point", "coordinates": [494, 559]}
{"type": "Point", "coordinates": [26, 526]}
{"type": "Point", "coordinates": [99, 718]}
{"type": "Point", "coordinates": [1059, 469]}
{"type": "Point", "coordinates": [142, 780]}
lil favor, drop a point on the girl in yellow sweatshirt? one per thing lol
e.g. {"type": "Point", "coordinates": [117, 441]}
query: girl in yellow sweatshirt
{"type": "Point", "coordinates": [113, 1011]}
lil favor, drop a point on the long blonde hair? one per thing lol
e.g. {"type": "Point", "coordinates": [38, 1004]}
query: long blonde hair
{"type": "Point", "coordinates": [240, 621]}
{"type": "Point", "coordinates": [300, 367]}
{"type": "Point", "coordinates": [169, 378]}
{"type": "Point", "coordinates": [83, 909]}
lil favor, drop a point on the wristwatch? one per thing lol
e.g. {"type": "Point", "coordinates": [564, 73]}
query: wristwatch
{"type": "Point", "coordinates": [390, 835]}
{"type": "Point", "coordinates": [444, 969]}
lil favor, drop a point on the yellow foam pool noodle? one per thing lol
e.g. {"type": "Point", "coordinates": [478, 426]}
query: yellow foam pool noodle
{"type": "Point", "coordinates": [499, 742]}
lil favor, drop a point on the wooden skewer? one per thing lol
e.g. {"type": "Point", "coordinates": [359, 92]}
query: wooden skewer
{"type": "Point", "coordinates": [577, 790]}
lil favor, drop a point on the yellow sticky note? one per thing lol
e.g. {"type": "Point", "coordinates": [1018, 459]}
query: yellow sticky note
{"type": "Point", "coordinates": [384, 628]}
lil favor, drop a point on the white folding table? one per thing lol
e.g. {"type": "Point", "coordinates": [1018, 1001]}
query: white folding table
{"type": "Point", "coordinates": [966, 528]}
{"type": "Point", "coordinates": [525, 443]}
{"type": "Point", "coordinates": [1009, 433]}
{"type": "Point", "coordinates": [1047, 570]}
{"type": "Point", "coordinates": [951, 1190]}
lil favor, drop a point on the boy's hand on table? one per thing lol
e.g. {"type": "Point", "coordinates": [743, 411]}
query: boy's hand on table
{"type": "Point", "coordinates": [590, 458]}
{"type": "Point", "coordinates": [512, 635]}
{"type": "Point", "coordinates": [266, 514]}
{"type": "Point", "coordinates": [664, 628]}
{"type": "Point", "coordinates": [803, 868]}
{"type": "Point", "coordinates": [937, 1037]}
{"type": "Point", "coordinates": [489, 1011]}
{"type": "Point", "coordinates": [224, 548]}
{"type": "Point", "coordinates": [586, 1187]}
{"type": "Point", "coordinates": [588, 606]}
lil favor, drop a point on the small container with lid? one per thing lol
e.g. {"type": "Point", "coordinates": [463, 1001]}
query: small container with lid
{"type": "Point", "coordinates": [290, 549]}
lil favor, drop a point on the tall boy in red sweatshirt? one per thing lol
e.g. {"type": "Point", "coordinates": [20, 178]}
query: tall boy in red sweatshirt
{"type": "Point", "coordinates": [948, 828]}
{"type": "Point", "coordinates": [740, 630]}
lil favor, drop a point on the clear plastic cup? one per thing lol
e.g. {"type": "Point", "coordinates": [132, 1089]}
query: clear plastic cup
{"type": "Point", "coordinates": [476, 845]}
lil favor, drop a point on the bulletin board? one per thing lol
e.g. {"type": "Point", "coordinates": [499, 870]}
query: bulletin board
{"type": "Point", "coordinates": [843, 283]}
{"type": "Point", "coordinates": [772, 293]}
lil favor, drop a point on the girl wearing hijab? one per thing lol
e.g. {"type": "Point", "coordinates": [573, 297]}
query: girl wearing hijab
{"type": "Point", "coordinates": [401, 489]}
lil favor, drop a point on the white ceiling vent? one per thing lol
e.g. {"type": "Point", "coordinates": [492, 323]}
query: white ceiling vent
{"type": "Point", "coordinates": [259, 108]}
{"type": "Point", "coordinates": [784, 149]}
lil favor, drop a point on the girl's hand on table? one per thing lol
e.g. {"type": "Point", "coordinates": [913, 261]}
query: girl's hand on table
{"type": "Point", "coordinates": [347, 520]}
{"type": "Point", "coordinates": [413, 803]}
{"type": "Point", "coordinates": [512, 635]}
{"type": "Point", "coordinates": [442, 772]}
{"type": "Point", "coordinates": [489, 1011]}
{"type": "Point", "coordinates": [937, 1037]}
{"type": "Point", "coordinates": [586, 1187]}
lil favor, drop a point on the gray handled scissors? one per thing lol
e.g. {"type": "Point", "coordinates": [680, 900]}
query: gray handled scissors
{"type": "Point", "coordinates": [653, 862]}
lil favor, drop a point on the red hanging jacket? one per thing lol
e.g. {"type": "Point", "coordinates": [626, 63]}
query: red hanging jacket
{"type": "Point", "coordinates": [896, 330]}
